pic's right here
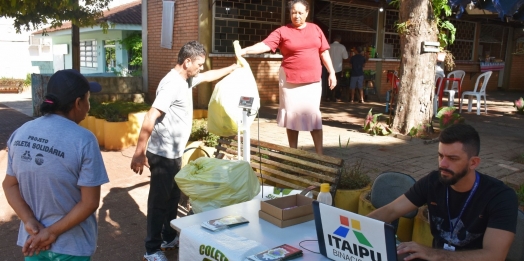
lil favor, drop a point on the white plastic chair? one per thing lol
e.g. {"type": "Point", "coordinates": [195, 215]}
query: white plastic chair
{"type": "Point", "coordinates": [478, 94]}
{"type": "Point", "coordinates": [438, 83]}
{"type": "Point", "coordinates": [453, 89]}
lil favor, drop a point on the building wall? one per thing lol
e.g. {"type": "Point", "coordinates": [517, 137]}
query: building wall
{"type": "Point", "coordinates": [185, 29]}
{"type": "Point", "coordinates": [14, 52]}
{"type": "Point", "coordinates": [516, 81]}
{"type": "Point", "coordinates": [100, 37]}
{"type": "Point", "coordinates": [265, 70]}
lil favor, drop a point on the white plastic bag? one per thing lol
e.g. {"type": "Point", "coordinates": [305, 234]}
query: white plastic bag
{"type": "Point", "coordinates": [223, 110]}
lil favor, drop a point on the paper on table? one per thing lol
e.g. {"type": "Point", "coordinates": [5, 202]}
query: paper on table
{"type": "Point", "coordinates": [224, 222]}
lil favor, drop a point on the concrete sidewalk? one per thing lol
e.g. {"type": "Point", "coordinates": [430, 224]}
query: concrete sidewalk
{"type": "Point", "coordinates": [123, 204]}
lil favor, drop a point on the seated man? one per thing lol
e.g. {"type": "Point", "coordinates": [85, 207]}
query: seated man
{"type": "Point", "coordinates": [472, 216]}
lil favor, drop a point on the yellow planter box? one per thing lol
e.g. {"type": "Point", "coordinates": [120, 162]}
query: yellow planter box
{"type": "Point", "coordinates": [199, 114]}
{"type": "Point", "coordinates": [348, 198]}
{"type": "Point", "coordinates": [99, 131]}
{"type": "Point", "coordinates": [116, 135]}
{"type": "Point", "coordinates": [91, 125]}
{"type": "Point", "coordinates": [83, 123]}
{"type": "Point", "coordinates": [135, 121]}
{"type": "Point", "coordinates": [192, 152]}
{"type": "Point", "coordinates": [421, 229]}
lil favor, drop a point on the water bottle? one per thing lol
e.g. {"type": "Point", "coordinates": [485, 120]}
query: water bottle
{"type": "Point", "coordinates": [324, 196]}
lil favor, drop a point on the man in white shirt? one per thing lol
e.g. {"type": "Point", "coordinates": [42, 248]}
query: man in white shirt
{"type": "Point", "coordinates": [338, 53]}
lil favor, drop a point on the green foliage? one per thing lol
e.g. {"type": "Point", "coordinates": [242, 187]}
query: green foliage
{"type": "Point", "coordinates": [447, 30]}
{"type": "Point", "coordinates": [199, 132]}
{"type": "Point", "coordinates": [340, 142]}
{"type": "Point", "coordinates": [122, 71]}
{"type": "Point", "coordinates": [520, 195]}
{"type": "Point", "coordinates": [402, 28]}
{"type": "Point", "coordinates": [373, 126]}
{"type": "Point", "coordinates": [27, 81]}
{"type": "Point", "coordinates": [133, 43]}
{"type": "Point", "coordinates": [96, 109]}
{"type": "Point", "coordinates": [441, 9]}
{"type": "Point", "coordinates": [354, 176]}
{"type": "Point", "coordinates": [520, 159]}
{"type": "Point", "coordinates": [369, 74]}
{"type": "Point", "coordinates": [448, 116]}
{"type": "Point", "coordinates": [116, 111]}
{"type": "Point", "coordinates": [30, 15]}
{"type": "Point", "coordinates": [421, 131]}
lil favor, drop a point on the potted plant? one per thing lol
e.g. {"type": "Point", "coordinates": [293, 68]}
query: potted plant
{"type": "Point", "coordinates": [519, 105]}
{"type": "Point", "coordinates": [115, 128]}
{"type": "Point", "coordinates": [448, 116]}
{"type": "Point", "coordinates": [96, 111]}
{"type": "Point", "coordinates": [353, 181]}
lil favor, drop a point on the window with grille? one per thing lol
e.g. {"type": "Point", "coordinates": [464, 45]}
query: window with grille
{"type": "Point", "coordinates": [462, 48]}
{"type": "Point", "coordinates": [248, 21]}
{"type": "Point", "coordinates": [88, 54]}
{"type": "Point", "coordinates": [391, 37]}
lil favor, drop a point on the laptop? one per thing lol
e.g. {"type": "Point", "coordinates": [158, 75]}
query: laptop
{"type": "Point", "coordinates": [344, 235]}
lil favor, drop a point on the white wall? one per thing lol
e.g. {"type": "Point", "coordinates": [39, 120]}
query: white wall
{"type": "Point", "coordinates": [14, 54]}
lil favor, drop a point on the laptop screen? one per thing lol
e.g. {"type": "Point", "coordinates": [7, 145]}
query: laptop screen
{"type": "Point", "coordinates": [344, 235]}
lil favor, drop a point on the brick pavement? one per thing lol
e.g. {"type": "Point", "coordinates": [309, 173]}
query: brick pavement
{"type": "Point", "coordinates": [124, 200]}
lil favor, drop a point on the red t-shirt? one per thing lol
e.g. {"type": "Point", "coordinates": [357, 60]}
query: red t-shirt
{"type": "Point", "coordinates": [301, 49]}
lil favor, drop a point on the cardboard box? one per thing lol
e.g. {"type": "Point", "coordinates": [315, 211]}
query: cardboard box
{"type": "Point", "coordinates": [287, 211]}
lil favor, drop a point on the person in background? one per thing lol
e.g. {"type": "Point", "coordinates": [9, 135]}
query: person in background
{"type": "Point", "coordinates": [472, 216]}
{"type": "Point", "coordinates": [54, 173]}
{"type": "Point", "coordinates": [162, 140]}
{"type": "Point", "coordinates": [303, 45]}
{"type": "Point", "coordinates": [338, 53]}
{"type": "Point", "coordinates": [357, 62]}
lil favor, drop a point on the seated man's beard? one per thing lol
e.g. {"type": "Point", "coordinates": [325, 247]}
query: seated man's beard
{"type": "Point", "coordinates": [454, 178]}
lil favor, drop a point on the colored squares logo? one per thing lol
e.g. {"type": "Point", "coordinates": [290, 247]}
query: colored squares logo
{"type": "Point", "coordinates": [343, 230]}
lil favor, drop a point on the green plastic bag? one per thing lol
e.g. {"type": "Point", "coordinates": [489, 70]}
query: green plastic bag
{"type": "Point", "coordinates": [212, 183]}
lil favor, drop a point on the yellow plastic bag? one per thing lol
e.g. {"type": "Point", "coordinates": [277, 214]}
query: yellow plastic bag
{"type": "Point", "coordinates": [223, 110]}
{"type": "Point", "coordinates": [212, 183]}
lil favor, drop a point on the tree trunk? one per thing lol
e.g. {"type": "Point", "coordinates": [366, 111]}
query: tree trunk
{"type": "Point", "coordinates": [417, 69]}
{"type": "Point", "coordinates": [75, 42]}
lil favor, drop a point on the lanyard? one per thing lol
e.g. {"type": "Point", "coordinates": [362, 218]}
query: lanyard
{"type": "Point", "coordinates": [451, 226]}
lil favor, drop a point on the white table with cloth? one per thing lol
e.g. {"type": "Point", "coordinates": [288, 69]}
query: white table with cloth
{"type": "Point", "coordinates": [236, 243]}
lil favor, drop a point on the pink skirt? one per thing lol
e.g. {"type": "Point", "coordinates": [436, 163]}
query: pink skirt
{"type": "Point", "coordinates": [299, 106]}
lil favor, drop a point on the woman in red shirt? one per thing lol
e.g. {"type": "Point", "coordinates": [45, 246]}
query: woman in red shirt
{"type": "Point", "coordinates": [303, 45]}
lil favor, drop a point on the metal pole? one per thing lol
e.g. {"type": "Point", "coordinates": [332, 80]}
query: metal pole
{"type": "Point", "coordinates": [246, 143]}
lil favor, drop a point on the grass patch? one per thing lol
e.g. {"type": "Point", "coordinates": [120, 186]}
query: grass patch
{"type": "Point", "coordinates": [520, 158]}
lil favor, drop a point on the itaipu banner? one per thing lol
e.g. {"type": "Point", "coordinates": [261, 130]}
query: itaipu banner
{"type": "Point", "coordinates": [352, 237]}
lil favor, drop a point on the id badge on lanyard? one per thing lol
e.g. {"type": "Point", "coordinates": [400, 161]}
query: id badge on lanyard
{"type": "Point", "coordinates": [449, 247]}
{"type": "Point", "coordinates": [452, 227]}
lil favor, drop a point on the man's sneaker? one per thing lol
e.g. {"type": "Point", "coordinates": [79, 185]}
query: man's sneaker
{"type": "Point", "coordinates": [166, 246]}
{"type": "Point", "coordinates": [157, 256]}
